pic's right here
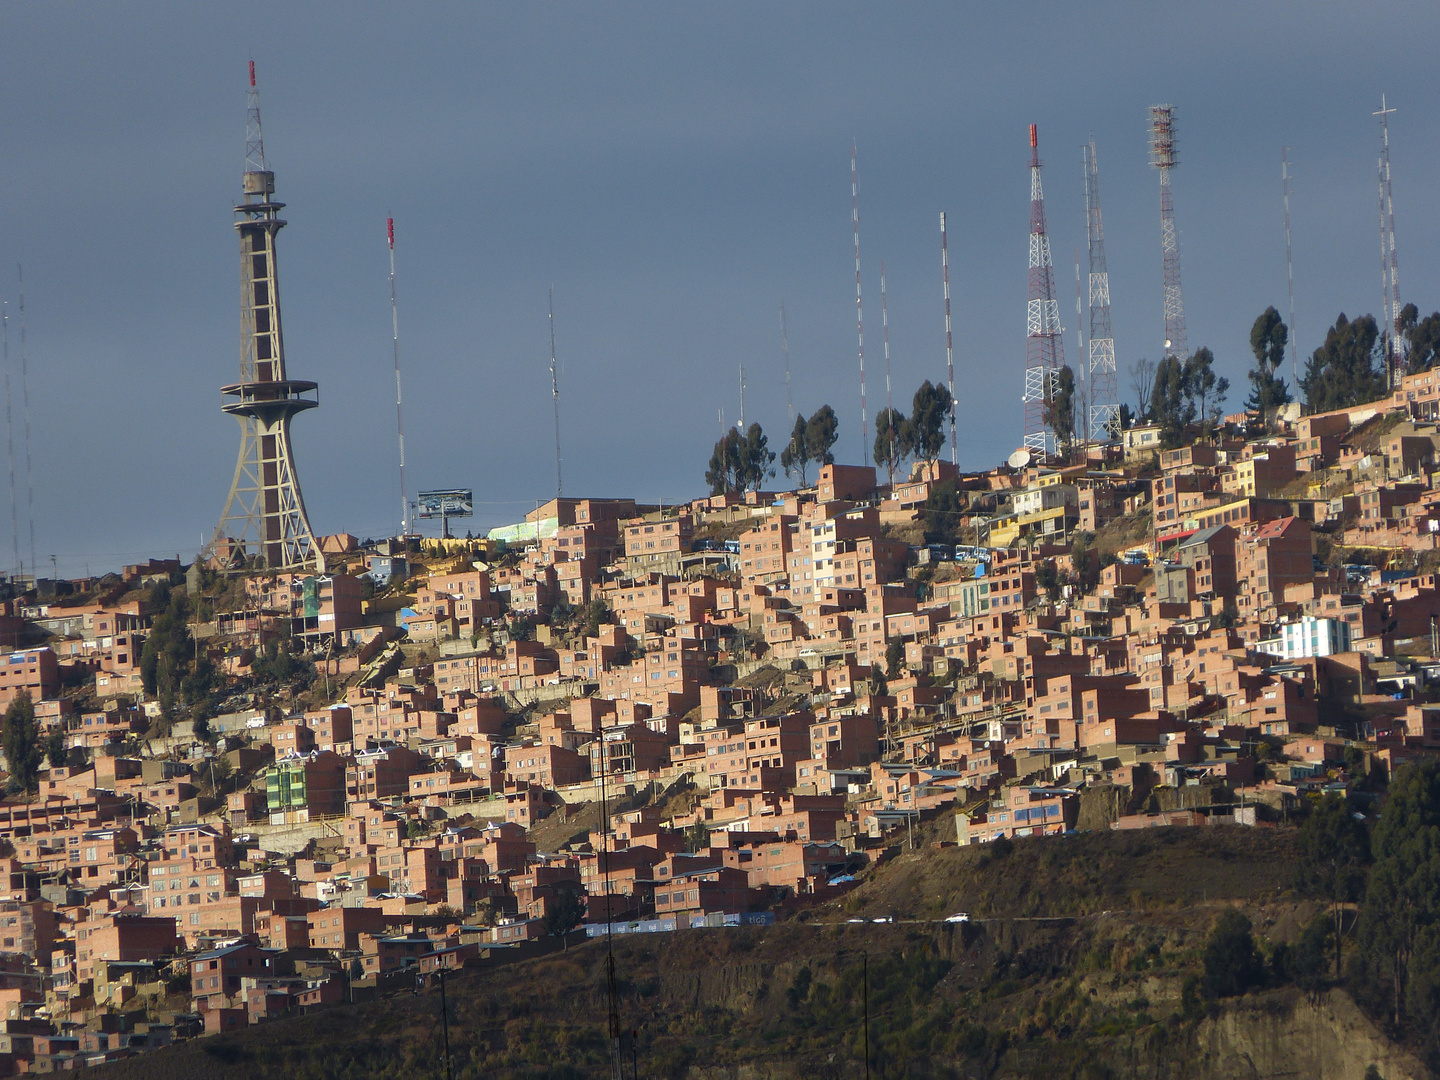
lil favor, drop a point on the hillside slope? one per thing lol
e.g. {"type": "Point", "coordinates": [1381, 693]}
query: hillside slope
{"type": "Point", "coordinates": [1081, 975]}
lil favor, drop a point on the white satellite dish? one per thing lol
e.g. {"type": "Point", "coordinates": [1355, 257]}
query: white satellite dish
{"type": "Point", "coordinates": [1020, 458]}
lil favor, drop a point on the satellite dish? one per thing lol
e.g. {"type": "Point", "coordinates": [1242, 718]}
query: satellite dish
{"type": "Point", "coordinates": [1020, 458]}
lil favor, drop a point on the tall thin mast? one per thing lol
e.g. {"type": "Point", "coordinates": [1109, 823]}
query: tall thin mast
{"type": "Point", "coordinates": [949, 347]}
{"type": "Point", "coordinates": [785, 348]}
{"type": "Point", "coordinates": [25, 398]}
{"type": "Point", "coordinates": [889, 403]}
{"type": "Point", "coordinates": [1044, 348]}
{"type": "Point", "coordinates": [859, 311]}
{"type": "Point", "coordinates": [1080, 415]}
{"type": "Point", "coordinates": [742, 399]}
{"type": "Point", "coordinates": [1387, 209]}
{"type": "Point", "coordinates": [1162, 156]}
{"type": "Point", "coordinates": [555, 398]}
{"type": "Point", "coordinates": [1103, 416]}
{"type": "Point", "coordinates": [10, 436]}
{"type": "Point", "coordinates": [1289, 264]}
{"type": "Point", "coordinates": [399, 414]}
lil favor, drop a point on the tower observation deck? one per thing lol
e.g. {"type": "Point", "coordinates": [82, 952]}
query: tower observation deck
{"type": "Point", "coordinates": [264, 520]}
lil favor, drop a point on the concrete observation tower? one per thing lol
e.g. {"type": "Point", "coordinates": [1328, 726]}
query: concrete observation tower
{"type": "Point", "coordinates": [264, 519]}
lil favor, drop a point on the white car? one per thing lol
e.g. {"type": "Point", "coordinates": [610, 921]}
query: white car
{"type": "Point", "coordinates": [958, 917]}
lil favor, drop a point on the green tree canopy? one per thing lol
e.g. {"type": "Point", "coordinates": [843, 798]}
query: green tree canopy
{"type": "Point", "coordinates": [21, 741]}
{"type": "Point", "coordinates": [1170, 404]}
{"type": "Point", "coordinates": [821, 431]}
{"type": "Point", "coordinates": [1204, 390]}
{"type": "Point", "coordinates": [929, 410]}
{"type": "Point", "coordinates": [943, 507]}
{"type": "Point", "coordinates": [1399, 937]}
{"type": "Point", "coordinates": [756, 458]}
{"type": "Point", "coordinates": [1232, 963]}
{"type": "Point", "coordinates": [727, 469]}
{"type": "Point", "coordinates": [1348, 369]}
{"type": "Point", "coordinates": [796, 455]}
{"type": "Point", "coordinates": [1060, 411]}
{"type": "Point", "coordinates": [1334, 852]}
{"type": "Point", "coordinates": [1422, 338]}
{"type": "Point", "coordinates": [892, 440]}
{"type": "Point", "coordinates": [1268, 338]}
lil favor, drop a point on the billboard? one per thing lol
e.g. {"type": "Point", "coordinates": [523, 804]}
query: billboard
{"type": "Point", "coordinates": [449, 502]}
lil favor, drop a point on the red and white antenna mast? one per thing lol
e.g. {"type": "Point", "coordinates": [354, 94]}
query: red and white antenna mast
{"type": "Point", "coordinates": [1044, 349]}
{"type": "Point", "coordinates": [859, 312]}
{"type": "Point", "coordinates": [889, 404]}
{"type": "Point", "coordinates": [1389, 268]}
{"type": "Point", "coordinates": [949, 347]}
{"type": "Point", "coordinates": [399, 413]}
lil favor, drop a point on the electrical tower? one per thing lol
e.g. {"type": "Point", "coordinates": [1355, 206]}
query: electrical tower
{"type": "Point", "coordinates": [399, 415]}
{"type": "Point", "coordinates": [949, 347]}
{"type": "Point", "coordinates": [1162, 156]}
{"type": "Point", "coordinates": [1104, 408]}
{"type": "Point", "coordinates": [1044, 349]}
{"type": "Point", "coordinates": [264, 516]}
{"type": "Point", "coordinates": [889, 402]}
{"type": "Point", "coordinates": [1289, 263]}
{"type": "Point", "coordinates": [859, 311]}
{"type": "Point", "coordinates": [1389, 269]}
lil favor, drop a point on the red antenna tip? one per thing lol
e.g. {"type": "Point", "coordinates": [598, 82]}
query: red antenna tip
{"type": "Point", "coordinates": [1034, 138]}
{"type": "Point", "coordinates": [390, 231]}
{"type": "Point", "coordinates": [252, 74]}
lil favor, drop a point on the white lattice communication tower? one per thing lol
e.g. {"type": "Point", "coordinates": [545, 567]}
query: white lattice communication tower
{"type": "Point", "coordinates": [1104, 408]}
{"type": "Point", "coordinates": [949, 345]}
{"type": "Point", "coordinates": [1044, 349]}
{"type": "Point", "coordinates": [1162, 156]}
{"type": "Point", "coordinates": [399, 413]}
{"type": "Point", "coordinates": [1389, 268]}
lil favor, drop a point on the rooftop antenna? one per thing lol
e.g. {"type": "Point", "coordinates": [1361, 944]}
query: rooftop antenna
{"type": "Point", "coordinates": [1103, 411]}
{"type": "Point", "coordinates": [10, 435]}
{"type": "Point", "coordinates": [399, 415]}
{"type": "Point", "coordinates": [889, 404]}
{"type": "Point", "coordinates": [859, 311]}
{"type": "Point", "coordinates": [1389, 268]}
{"type": "Point", "coordinates": [1289, 263]}
{"type": "Point", "coordinates": [949, 347]}
{"type": "Point", "coordinates": [555, 398]}
{"type": "Point", "coordinates": [25, 397]}
{"type": "Point", "coordinates": [1162, 156]}
{"type": "Point", "coordinates": [785, 348]}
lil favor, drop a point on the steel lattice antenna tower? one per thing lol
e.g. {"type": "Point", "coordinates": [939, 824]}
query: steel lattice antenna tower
{"type": "Point", "coordinates": [949, 346]}
{"type": "Point", "coordinates": [1289, 263]}
{"type": "Point", "coordinates": [264, 516]}
{"type": "Point", "coordinates": [742, 399]}
{"type": "Point", "coordinates": [1389, 268]}
{"type": "Point", "coordinates": [1162, 156]}
{"type": "Point", "coordinates": [859, 311]}
{"type": "Point", "coordinates": [889, 402]}
{"type": "Point", "coordinates": [399, 414]}
{"type": "Point", "coordinates": [25, 401]}
{"type": "Point", "coordinates": [785, 348]}
{"type": "Point", "coordinates": [1044, 349]}
{"type": "Point", "coordinates": [555, 398]}
{"type": "Point", "coordinates": [1104, 419]}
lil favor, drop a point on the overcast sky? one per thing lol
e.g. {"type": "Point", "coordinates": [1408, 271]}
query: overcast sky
{"type": "Point", "coordinates": [675, 171]}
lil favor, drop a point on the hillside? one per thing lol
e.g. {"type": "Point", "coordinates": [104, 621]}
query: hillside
{"type": "Point", "coordinates": [1075, 965]}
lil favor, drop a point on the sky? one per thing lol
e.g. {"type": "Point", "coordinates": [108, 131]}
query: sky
{"type": "Point", "coordinates": [675, 172]}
